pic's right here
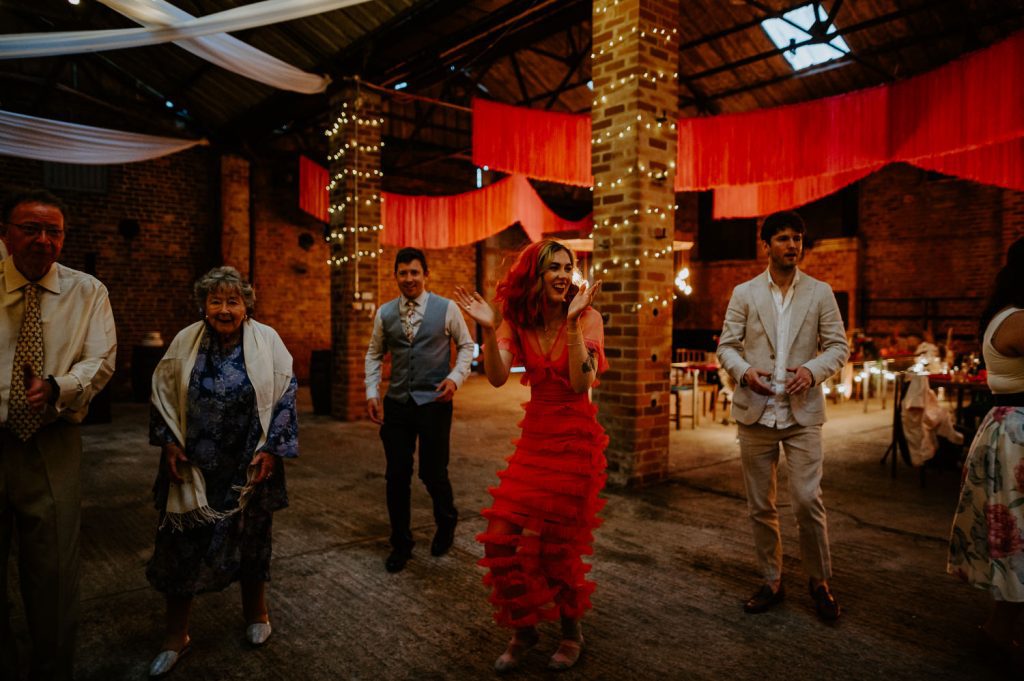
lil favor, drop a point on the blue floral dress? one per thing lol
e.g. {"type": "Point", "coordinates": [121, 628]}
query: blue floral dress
{"type": "Point", "coordinates": [986, 548]}
{"type": "Point", "coordinates": [222, 432]}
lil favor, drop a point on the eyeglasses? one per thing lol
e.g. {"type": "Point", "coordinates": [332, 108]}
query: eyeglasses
{"type": "Point", "coordinates": [34, 229]}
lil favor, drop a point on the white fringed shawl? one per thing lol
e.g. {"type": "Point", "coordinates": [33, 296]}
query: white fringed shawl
{"type": "Point", "coordinates": [269, 367]}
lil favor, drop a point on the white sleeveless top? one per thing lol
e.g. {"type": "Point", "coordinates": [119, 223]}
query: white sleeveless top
{"type": "Point", "coordinates": [1005, 374]}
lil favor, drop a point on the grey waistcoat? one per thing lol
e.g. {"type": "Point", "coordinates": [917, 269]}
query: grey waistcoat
{"type": "Point", "coordinates": [417, 367]}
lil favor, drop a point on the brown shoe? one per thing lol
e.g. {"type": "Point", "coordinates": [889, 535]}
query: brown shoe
{"type": "Point", "coordinates": [567, 655]}
{"type": "Point", "coordinates": [521, 643]}
{"type": "Point", "coordinates": [764, 600]}
{"type": "Point", "coordinates": [824, 602]}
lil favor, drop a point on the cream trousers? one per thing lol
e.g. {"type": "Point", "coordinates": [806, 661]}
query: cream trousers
{"type": "Point", "coordinates": [759, 453]}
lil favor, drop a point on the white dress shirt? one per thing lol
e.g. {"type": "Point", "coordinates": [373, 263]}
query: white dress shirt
{"type": "Point", "coordinates": [777, 413]}
{"type": "Point", "coordinates": [454, 326]}
{"type": "Point", "coordinates": [79, 342]}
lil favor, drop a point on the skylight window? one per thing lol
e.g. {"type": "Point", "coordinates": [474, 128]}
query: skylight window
{"type": "Point", "coordinates": [798, 26]}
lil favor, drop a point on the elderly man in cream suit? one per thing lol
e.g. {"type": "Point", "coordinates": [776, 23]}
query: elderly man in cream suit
{"type": "Point", "coordinates": [783, 336]}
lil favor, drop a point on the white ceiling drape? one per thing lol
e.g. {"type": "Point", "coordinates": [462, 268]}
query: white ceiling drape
{"type": "Point", "coordinates": [23, 45]}
{"type": "Point", "coordinates": [223, 50]}
{"type": "Point", "coordinates": [47, 140]}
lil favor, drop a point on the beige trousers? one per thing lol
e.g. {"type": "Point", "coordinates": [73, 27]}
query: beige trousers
{"type": "Point", "coordinates": [40, 502]}
{"type": "Point", "coordinates": [759, 453]}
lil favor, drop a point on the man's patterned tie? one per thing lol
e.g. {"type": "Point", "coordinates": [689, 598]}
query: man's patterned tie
{"type": "Point", "coordinates": [21, 418]}
{"type": "Point", "coordinates": [410, 307]}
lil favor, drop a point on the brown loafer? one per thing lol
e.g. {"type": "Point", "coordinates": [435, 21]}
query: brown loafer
{"type": "Point", "coordinates": [825, 603]}
{"type": "Point", "coordinates": [764, 600]}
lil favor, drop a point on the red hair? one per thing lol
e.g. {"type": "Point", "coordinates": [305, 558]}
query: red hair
{"type": "Point", "coordinates": [521, 293]}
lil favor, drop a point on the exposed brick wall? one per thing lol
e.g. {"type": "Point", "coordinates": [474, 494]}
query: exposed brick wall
{"type": "Point", "coordinates": [930, 236]}
{"type": "Point", "coordinates": [175, 200]}
{"type": "Point", "coordinates": [235, 199]}
{"type": "Point", "coordinates": [351, 315]}
{"type": "Point", "coordinates": [634, 215]}
{"type": "Point", "coordinates": [293, 290]}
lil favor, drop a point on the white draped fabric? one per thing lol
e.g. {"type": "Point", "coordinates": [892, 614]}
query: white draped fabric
{"type": "Point", "coordinates": [46, 140]}
{"type": "Point", "coordinates": [22, 45]}
{"type": "Point", "coordinates": [223, 50]}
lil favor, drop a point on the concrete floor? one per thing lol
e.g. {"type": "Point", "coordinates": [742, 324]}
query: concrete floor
{"type": "Point", "coordinates": [673, 564]}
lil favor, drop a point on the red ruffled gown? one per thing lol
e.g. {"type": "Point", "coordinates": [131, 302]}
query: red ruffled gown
{"type": "Point", "coordinates": [550, 487]}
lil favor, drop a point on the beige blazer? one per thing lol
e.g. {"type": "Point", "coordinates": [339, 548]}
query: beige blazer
{"type": "Point", "coordinates": [816, 335]}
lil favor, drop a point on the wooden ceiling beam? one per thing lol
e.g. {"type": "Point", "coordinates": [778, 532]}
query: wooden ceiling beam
{"type": "Point", "coordinates": [915, 39]}
{"type": "Point", "coordinates": [580, 59]}
{"type": "Point", "coordinates": [820, 35]}
{"type": "Point", "coordinates": [869, 23]}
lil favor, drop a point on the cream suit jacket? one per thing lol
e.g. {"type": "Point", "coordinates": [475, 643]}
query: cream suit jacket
{"type": "Point", "coordinates": [749, 336]}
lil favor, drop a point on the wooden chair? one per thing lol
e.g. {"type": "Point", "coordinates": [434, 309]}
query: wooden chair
{"type": "Point", "coordinates": [691, 389]}
{"type": "Point", "coordinates": [684, 355]}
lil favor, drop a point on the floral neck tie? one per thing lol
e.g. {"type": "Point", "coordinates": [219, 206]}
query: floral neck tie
{"type": "Point", "coordinates": [21, 418]}
{"type": "Point", "coordinates": [410, 308]}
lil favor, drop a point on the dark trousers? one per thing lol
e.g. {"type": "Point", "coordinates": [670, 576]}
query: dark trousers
{"type": "Point", "coordinates": [403, 424]}
{"type": "Point", "coordinates": [40, 504]}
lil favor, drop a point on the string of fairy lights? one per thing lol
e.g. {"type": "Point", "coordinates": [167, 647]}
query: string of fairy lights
{"type": "Point", "coordinates": [344, 184]}
{"type": "Point", "coordinates": [644, 123]}
{"type": "Point", "coordinates": [344, 190]}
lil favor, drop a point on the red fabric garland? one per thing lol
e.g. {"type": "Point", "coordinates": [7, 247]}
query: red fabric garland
{"type": "Point", "coordinates": [544, 145]}
{"type": "Point", "coordinates": [461, 219]}
{"type": "Point", "coordinates": [964, 119]}
{"type": "Point", "coordinates": [947, 119]}
{"type": "Point", "coordinates": [313, 195]}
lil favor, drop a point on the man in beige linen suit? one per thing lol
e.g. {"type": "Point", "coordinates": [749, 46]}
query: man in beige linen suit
{"type": "Point", "coordinates": [774, 327]}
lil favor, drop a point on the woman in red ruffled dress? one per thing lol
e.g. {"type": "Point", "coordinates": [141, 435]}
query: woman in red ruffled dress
{"type": "Point", "coordinates": [546, 504]}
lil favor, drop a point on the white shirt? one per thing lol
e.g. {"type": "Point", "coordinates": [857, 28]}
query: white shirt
{"type": "Point", "coordinates": [777, 413]}
{"type": "Point", "coordinates": [79, 342]}
{"type": "Point", "coordinates": [454, 326]}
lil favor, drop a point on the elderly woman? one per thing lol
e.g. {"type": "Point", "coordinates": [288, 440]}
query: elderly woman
{"type": "Point", "coordinates": [546, 504]}
{"type": "Point", "coordinates": [224, 416]}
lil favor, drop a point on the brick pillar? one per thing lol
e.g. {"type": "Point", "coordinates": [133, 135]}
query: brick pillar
{"type": "Point", "coordinates": [234, 213]}
{"type": "Point", "coordinates": [354, 144]}
{"type": "Point", "coordinates": [635, 61]}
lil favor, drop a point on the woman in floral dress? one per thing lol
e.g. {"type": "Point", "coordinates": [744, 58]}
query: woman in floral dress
{"type": "Point", "coordinates": [546, 504]}
{"type": "Point", "coordinates": [986, 548]}
{"type": "Point", "coordinates": [224, 416]}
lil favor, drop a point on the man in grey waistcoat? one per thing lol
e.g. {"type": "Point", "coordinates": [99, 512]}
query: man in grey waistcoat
{"type": "Point", "coordinates": [417, 328]}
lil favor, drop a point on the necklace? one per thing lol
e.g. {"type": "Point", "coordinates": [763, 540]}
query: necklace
{"type": "Point", "coordinates": [551, 333]}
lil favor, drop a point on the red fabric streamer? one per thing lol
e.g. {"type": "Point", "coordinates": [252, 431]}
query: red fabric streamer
{"type": "Point", "coordinates": [825, 136]}
{"type": "Point", "coordinates": [544, 145]}
{"type": "Point", "coordinates": [750, 200]}
{"type": "Point", "coordinates": [972, 102]}
{"type": "Point", "coordinates": [460, 219]}
{"type": "Point", "coordinates": [313, 195]}
{"type": "Point", "coordinates": [964, 119]}
{"type": "Point", "coordinates": [996, 164]}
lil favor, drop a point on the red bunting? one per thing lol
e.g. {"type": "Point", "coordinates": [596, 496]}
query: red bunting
{"type": "Point", "coordinates": [544, 145]}
{"type": "Point", "coordinates": [963, 118]}
{"type": "Point", "coordinates": [313, 195]}
{"type": "Point", "coordinates": [460, 219]}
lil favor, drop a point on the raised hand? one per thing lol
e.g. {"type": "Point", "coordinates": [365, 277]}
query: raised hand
{"type": "Point", "coordinates": [476, 307]}
{"type": "Point", "coordinates": [584, 298]}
